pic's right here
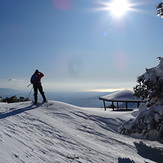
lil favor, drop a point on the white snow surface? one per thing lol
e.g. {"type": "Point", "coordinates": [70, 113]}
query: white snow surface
{"type": "Point", "coordinates": [56, 132]}
{"type": "Point", "coordinates": [124, 95]}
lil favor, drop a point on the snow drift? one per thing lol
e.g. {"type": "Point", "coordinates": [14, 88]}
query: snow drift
{"type": "Point", "coordinates": [56, 132]}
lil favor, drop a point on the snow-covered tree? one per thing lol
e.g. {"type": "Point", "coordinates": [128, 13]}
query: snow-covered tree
{"type": "Point", "coordinates": [159, 8]}
{"type": "Point", "coordinates": [150, 84]}
{"type": "Point", "coordinates": [150, 121]}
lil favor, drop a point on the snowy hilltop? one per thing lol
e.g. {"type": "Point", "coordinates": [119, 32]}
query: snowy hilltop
{"type": "Point", "coordinates": [57, 132]}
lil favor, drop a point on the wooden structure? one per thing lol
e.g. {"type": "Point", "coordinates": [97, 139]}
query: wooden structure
{"type": "Point", "coordinates": [125, 96]}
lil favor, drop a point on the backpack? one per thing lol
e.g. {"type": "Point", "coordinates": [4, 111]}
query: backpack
{"type": "Point", "coordinates": [34, 79]}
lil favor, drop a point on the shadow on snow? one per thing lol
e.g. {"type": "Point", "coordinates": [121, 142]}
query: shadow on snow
{"type": "Point", "coordinates": [125, 160]}
{"type": "Point", "coordinates": [18, 111]}
{"type": "Point", "coordinates": [110, 124]}
{"type": "Point", "coordinates": [154, 154]}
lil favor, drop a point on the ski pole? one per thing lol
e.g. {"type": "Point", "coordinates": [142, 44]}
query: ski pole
{"type": "Point", "coordinates": [30, 92]}
{"type": "Point", "coordinates": [28, 85]}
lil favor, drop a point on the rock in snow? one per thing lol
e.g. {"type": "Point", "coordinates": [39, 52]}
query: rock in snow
{"type": "Point", "coordinates": [57, 132]}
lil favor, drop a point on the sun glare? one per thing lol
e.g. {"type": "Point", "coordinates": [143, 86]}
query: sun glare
{"type": "Point", "coordinates": [119, 7]}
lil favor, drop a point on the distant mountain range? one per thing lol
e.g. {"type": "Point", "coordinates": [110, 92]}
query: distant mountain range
{"type": "Point", "coordinates": [7, 92]}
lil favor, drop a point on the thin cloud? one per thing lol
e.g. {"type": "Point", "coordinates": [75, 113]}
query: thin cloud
{"type": "Point", "coordinates": [15, 80]}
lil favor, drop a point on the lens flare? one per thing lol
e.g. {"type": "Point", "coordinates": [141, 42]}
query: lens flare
{"type": "Point", "coordinates": [120, 60]}
{"type": "Point", "coordinates": [62, 4]}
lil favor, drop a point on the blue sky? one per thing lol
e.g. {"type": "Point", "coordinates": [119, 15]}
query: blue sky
{"type": "Point", "coordinates": [77, 44]}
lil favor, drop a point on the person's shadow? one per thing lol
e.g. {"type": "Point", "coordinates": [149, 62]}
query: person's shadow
{"type": "Point", "coordinates": [18, 111]}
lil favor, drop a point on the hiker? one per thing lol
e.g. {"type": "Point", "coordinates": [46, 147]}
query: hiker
{"type": "Point", "coordinates": [36, 81]}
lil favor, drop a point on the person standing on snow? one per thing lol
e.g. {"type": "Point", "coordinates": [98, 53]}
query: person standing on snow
{"type": "Point", "coordinates": [36, 81]}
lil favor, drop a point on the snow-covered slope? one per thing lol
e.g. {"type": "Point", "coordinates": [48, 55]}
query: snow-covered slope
{"type": "Point", "coordinates": [56, 132]}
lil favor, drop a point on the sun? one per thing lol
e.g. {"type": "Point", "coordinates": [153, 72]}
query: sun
{"type": "Point", "coordinates": [119, 7]}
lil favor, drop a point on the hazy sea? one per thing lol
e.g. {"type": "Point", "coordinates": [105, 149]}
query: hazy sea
{"type": "Point", "coordinates": [83, 99]}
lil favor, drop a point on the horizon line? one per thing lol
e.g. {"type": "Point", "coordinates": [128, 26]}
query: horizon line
{"type": "Point", "coordinates": [108, 89]}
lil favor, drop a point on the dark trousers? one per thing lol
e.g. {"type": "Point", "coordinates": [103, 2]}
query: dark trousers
{"type": "Point", "coordinates": [37, 87]}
